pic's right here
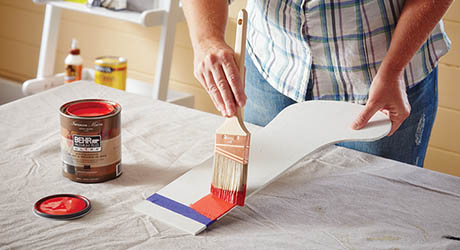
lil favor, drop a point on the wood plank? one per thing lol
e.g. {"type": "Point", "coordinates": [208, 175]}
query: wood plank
{"type": "Point", "coordinates": [13, 76]}
{"type": "Point", "coordinates": [18, 58]}
{"type": "Point", "coordinates": [453, 32]}
{"type": "Point", "coordinates": [102, 23]}
{"type": "Point", "coordinates": [235, 7]}
{"type": "Point", "coordinates": [24, 5]}
{"type": "Point", "coordinates": [453, 14]}
{"type": "Point", "coordinates": [267, 159]}
{"type": "Point", "coordinates": [442, 161]}
{"type": "Point", "coordinates": [449, 86]}
{"type": "Point", "coordinates": [27, 25]}
{"type": "Point", "coordinates": [151, 33]}
{"type": "Point", "coordinates": [445, 133]}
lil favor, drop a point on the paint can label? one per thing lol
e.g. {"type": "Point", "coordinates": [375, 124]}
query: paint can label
{"type": "Point", "coordinates": [91, 140]}
{"type": "Point", "coordinates": [108, 153]}
{"type": "Point", "coordinates": [82, 143]}
{"type": "Point", "coordinates": [111, 71]}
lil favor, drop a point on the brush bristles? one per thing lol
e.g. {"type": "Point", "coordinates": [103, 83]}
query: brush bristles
{"type": "Point", "coordinates": [229, 179]}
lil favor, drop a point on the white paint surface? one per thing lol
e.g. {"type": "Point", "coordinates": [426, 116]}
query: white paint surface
{"type": "Point", "coordinates": [296, 132]}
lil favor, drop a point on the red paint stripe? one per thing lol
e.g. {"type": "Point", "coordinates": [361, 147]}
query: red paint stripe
{"type": "Point", "coordinates": [212, 207]}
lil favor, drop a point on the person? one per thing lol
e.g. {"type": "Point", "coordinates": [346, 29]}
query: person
{"type": "Point", "coordinates": [381, 53]}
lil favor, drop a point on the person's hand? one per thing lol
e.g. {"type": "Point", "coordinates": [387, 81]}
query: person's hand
{"type": "Point", "coordinates": [388, 94]}
{"type": "Point", "coordinates": [216, 69]}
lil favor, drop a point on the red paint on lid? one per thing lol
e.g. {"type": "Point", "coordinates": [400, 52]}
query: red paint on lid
{"type": "Point", "coordinates": [62, 206]}
{"type": "Point", "coordinates": [212, 207]}
{"type": "Point", "coordinates": [90, 109]}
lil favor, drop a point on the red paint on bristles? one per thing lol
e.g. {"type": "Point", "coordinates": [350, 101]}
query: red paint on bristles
{"type": "Point", "coordinates": [231, 196]}
{"type": "Point", "coordinates": [230, 176]}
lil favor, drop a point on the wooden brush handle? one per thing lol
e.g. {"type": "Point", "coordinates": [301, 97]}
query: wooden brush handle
{"type": "Point", "coordinates": [240, 41]}
{"type": "Point", "coordinates": [240, 50]}
{"type": "Point", "coordinates": [234, 125]}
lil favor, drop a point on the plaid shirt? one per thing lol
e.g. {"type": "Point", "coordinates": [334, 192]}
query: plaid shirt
{"type": "Point", "coordinates": [337, 45]}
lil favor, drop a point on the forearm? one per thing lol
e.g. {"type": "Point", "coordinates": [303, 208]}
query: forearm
{"type": "Point", "coordinates": [417, 20]}
{"type": "Point", "coordinates": [214, 61]}
{"type": "Point", "coordinates": [206, 21]}
{"type": "Point", "coordinates": [388, 91]}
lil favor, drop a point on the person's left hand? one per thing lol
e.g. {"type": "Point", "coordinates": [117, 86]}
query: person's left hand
{"type": "Point", "coordinates": [388, 94]}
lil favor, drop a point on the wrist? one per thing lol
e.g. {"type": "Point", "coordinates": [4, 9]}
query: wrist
{"type": "Point", "coordinates": [392, 73]}
{"type": "Point", "coordinates": [204, 42]}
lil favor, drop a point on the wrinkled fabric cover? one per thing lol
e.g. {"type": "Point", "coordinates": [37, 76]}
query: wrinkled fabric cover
{"type": "Point", "coordinates": [335, 198]}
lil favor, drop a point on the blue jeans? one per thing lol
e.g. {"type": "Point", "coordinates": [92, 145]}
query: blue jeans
{"type": "Point", "coordinates": [408, 144]}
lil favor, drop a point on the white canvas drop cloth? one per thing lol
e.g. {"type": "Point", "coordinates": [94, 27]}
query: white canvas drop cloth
{"type": "Point", "coordinates": [334, 199]}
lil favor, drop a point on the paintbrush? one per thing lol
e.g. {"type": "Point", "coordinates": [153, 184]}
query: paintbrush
{"type": "Point", "coordinates": [232, 139]}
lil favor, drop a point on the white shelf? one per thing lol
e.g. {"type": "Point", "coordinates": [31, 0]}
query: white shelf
{"type": "Point", "coordinates": [165, 13]}
{"type": "Point", "coordinates": [147, 18]}
{"type": "Point", "coordinates": [37, 85]}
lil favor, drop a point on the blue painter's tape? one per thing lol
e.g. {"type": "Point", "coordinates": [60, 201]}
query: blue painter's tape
{"type": "Point", "coordinates": [179, 208]}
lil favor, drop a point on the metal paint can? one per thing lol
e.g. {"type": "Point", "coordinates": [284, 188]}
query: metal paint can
{"type": "Point", "coordinates": [91, 140]}
{"type": "Point", "coordinates": [111, 71]}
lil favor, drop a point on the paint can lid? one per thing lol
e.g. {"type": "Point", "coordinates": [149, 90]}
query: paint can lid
{"type": "Point", "coordinates": [62, 206]}
{"type": "Point", "coordinates": [90, 109]}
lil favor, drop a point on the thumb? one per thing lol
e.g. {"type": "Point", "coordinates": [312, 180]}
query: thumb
{"type": "Point", "coordinates": [365, 116]}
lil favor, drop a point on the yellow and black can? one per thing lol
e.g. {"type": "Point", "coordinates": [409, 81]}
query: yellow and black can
{"type": "Point", "coordinates": [111, 71]}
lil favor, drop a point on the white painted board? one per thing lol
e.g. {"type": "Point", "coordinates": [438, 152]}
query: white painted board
{"type": "Point", "coordinates": [296, 132]}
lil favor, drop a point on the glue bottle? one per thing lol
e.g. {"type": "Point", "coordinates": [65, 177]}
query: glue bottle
{"type": "Point", "coordinates": [73, 64]}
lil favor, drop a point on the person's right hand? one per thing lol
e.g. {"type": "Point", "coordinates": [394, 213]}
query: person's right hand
{"type": "Point", "coordinates": [216, 68]}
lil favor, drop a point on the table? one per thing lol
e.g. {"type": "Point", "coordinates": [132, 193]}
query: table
{"type": "Point", "coordinates": [335, 198]}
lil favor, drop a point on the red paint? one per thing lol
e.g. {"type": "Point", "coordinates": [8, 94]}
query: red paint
{"type": "Point", "coordinates": [90, 109]}
{"type": "Point", "coordinates": [62, 205]}
{"type": "Point", "coordinates": [212, 207]}
{"type": "Point", "coordinates": [231, 196]}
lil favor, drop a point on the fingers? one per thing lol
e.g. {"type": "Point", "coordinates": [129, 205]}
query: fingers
{"type": "Point", "coordinates": [365, 115]}
{"type": "Point", "coordinates": [208, 83]}
{"type": "Point", "coordinates": [217, 70]}
{"type": "Point", "coordinates": [226, 94]}
{"type": "Point", "coordinates": [387, 93]}
{"type": "Point", "coordinates": [398, 117]}
{"type": "Point", "coordinates": [394, 126]}
{"type": "Point", "coordinates": [233, 77]}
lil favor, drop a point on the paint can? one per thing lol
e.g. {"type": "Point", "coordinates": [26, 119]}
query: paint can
{"type": "Point", "coordinates": [111, 71]}
{"type": "Point", "coordinates": [91, 140]}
